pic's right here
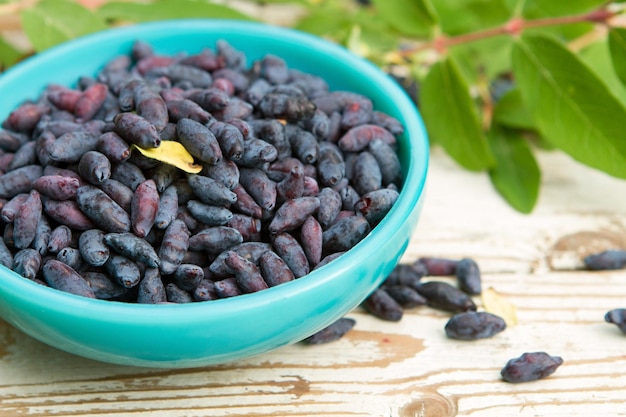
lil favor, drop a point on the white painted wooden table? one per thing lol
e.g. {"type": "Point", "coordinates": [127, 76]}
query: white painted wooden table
{"type": "Point", "coordinates": [407, 368]}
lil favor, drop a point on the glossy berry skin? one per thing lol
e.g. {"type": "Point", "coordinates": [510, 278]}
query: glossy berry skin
{"type": "Point", "coordinates": [375, 205]}
{"type": "Point", "coordinates": [176, 294]}
{"type": "Point", "coordinates": [151, 288]}
{"type": "Point", "coordinates": [274, 269]}
{"type": "Point", "coordinates": [199, 141]}
{"type": "Point", "coordinates": [188, 276]}
{"type": "Point", "coordinates": [285, 168]}
{"type": "Point", "coordinates": [404, 275]}
{"type": "Point", "coordinates": [124, 271]}
{"type": "Point", "coordinates": [102, 209]}
{"type": "Point", "coordinates": [439, 266]}
{"type": "Point", "coordinates": [607, 260]}
{"type": "Point", "coordinates": [383, 306]}
{"type": "Point", "coordinates": [90, 101]}
{"type": "Point", "coordinates": [290, 250]}
{"type": "Point", "coordinates": [133, 247]}
{"type": "Point", "coordinates": [292, 213]}
{"type": "Point", "coordinates": [406, 296]}
{"type": "Point", "coordinates": [113, 146]}
{"type": "Point", "coordinates": [444, 296]}
{"type": "Point", "coordinates": [60, 237]}
{"type": "Point", "coordinates": [94, 167]}
{"type": "Point", "coordinates": [473, 325]}
{"type": "Point", "coordinates": [531, 366]}
{"type": "Point", "coordinates": [19, 180]}
{"type": "Point", "coordinates": [344, 234]}
{"type": "Point", "coordinates": [67, 213]}
{"type": "Point", "coordinates": [57, 187]}
{"type": "Point", "coordinates": [92, 247]}
{"type": "Point", "coordinates": [331, 333]}
{"type": "Point", "coordinates": [144, 208]}
{"type": "Point", "coordinates": [173, 247]}
{"type": "Point", "coordinates": [311, 238]}
{"type": "Point", "coordinates": [247, 275]}
{"type": "Point", "coordinates": [617, 316]}
{"type": "Point", "coordinates": [137, 130]}
{"type": "Point", "coordinates": [62, 277]}
{"type": "Point", "coordinates": [358, 138]}
{"type": "Point", "coordinates": [27, 262]}
{"type": "Point", "coordinates": [468, 276]}
{"type": "Point", "coordinates": [26, 220]}
{"type": "Point", "coordinates": [103, 287]}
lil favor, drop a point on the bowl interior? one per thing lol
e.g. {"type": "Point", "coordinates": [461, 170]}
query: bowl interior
{"type": "Point", "coordinates": [223, 330]}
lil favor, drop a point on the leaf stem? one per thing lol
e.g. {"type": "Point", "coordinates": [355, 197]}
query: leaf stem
{"type": "Point", "coordinates": [513, 27]}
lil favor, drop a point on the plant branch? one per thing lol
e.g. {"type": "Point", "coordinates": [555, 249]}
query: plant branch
{"type": "Point", "coordinates": [513, 27]}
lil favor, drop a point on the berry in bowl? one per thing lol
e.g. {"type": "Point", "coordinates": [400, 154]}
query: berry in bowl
{"type": "Point", "coordinates": [192, 192]}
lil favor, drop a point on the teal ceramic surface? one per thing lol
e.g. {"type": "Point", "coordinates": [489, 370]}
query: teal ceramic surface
{"type": "Point", "coordinates": [225, 330]}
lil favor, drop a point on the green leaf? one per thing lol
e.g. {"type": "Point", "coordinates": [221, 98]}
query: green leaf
{"type": "Point", "coordinates": [303, 2]}
{"type": "Point", "coordinates": [516, 6]}
{"type": "Point", "coordinates": [380, 41]}
{"type": "Point", "coordinates": [598, 57]}
{"type": "Point", "coordinates": [9, 55]}
{"type": "Point", "coordinates": [511, 111]}
{"type": "Point", "coordinates": [516, 175]}
{"type": "Point", "coordinates": [409, 17]}
{"type": "Point", "coordinates": [126, 11]}
{"type": "Point", "coordinates": [536, 9]}
{"type": "Point", "coordinates": [572, 107]}
{"type": "Point", "coordinates": [51, 22]}
{"type": "Point", "coordinates": [451, 117]}
{"type": "Point", "coordinates": [355, 43]}
{"type": "Point", "coordinates": [491, 56]}
{"type": "Point", "coordinates": [166, 9]}
{"type": "Point", "coordinates": [543, 8]}
{"type": "Point", "coordinates": [376, 38]}
{"type": "Point", "coordinates": [349, 26]}
{"type": "Point", "coordinates": [198, 8]}
{"type": "Point", "coordinates": [617, 47]}
{"type": "Point", "coordinates": [458, 17]}
{"type": "Point", "coordinates": [325, 24]}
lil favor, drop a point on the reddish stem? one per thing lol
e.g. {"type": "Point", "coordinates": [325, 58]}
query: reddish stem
{"type": "Point", "coordinates": [513, 27]}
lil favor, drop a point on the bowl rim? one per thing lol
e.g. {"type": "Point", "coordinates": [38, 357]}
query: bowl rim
{"type": "Point", "coordinates": [415, 178]}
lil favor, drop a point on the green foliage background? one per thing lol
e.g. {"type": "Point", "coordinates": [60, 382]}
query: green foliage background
{"type": "Point", "coordinates": [495, 79]}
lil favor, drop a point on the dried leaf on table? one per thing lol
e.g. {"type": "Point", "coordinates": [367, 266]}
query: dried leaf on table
{"type": "Point", "coordinates": [495, 303]}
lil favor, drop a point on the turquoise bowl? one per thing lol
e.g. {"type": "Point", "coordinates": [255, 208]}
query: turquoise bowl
{"type": "Point", "coordinates": [200, 334]}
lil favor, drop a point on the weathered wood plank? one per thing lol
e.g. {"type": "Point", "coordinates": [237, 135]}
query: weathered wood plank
{"type": "Point", "coordinates": [407, 368]}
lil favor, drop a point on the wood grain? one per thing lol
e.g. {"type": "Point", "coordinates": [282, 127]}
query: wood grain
{"type": "Point", "coordinates": [407, 368]}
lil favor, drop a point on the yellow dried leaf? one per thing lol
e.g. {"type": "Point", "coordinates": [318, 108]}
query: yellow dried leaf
{"type": "Point", "coordinates": [394, 57]}
{"type": "Point", "coordinates": [355, 43]}
{"type": "Point", "coordinates": [496, 304]}
{"type": "Point", "coordinates": [173, 153]}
